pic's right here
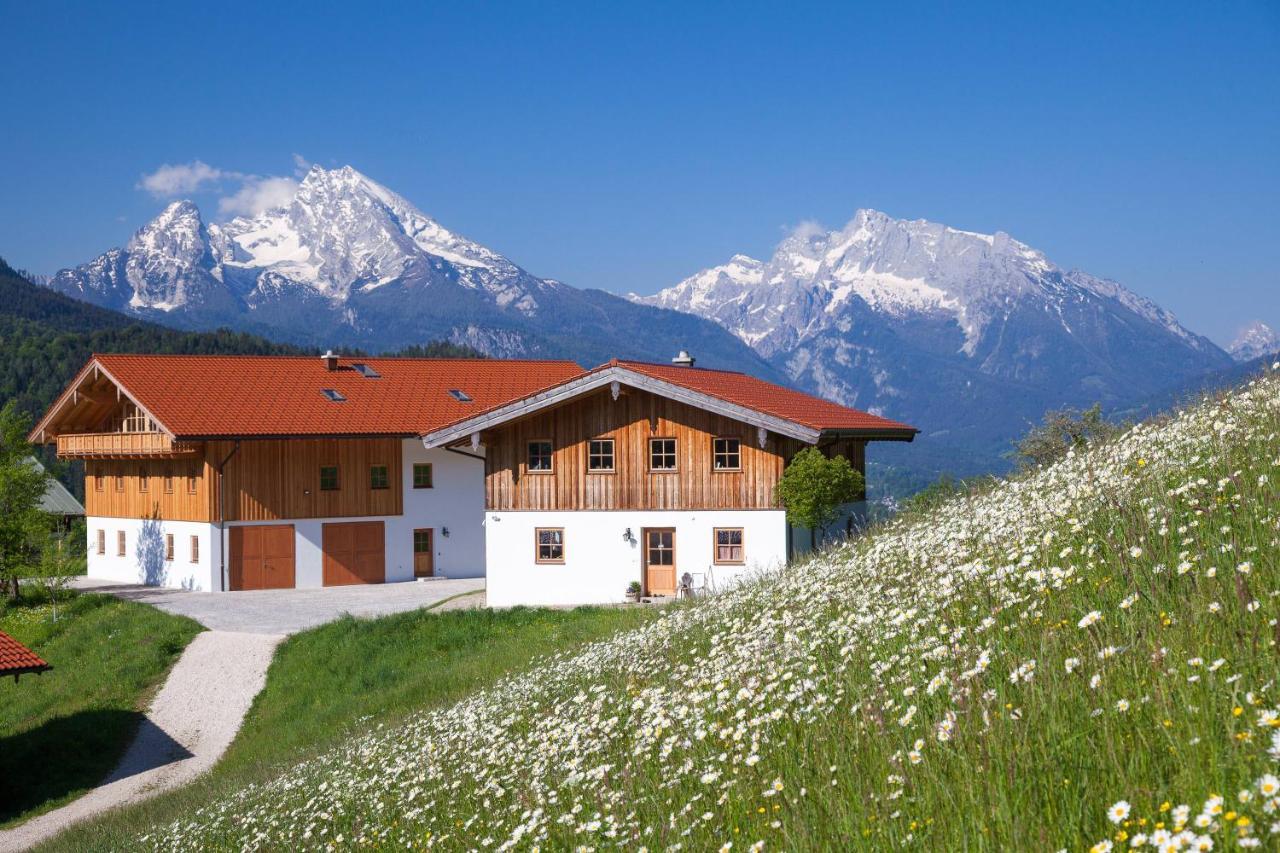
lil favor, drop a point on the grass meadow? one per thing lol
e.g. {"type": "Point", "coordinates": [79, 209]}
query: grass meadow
{"type": "Point", "coordinates": [62, 731]}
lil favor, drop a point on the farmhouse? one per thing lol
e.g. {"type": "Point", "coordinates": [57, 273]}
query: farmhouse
{"type": "Point", "coordinates": [560, 485]}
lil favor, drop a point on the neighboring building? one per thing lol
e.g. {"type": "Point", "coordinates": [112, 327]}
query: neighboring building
{"type": "Point", "coordinates": [59, 502]}
{"type": "Point", "coordinates": [16, 659]}
{"type": "Point", "coordinates": [561, 485]}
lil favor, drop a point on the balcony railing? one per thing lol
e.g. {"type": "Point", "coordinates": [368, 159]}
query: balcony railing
{"type": "Point", "coordinates": [106, 444]}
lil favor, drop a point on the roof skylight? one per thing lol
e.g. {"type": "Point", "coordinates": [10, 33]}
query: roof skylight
{"type": "Point", "coordinates": [366, 371]}
{"type": "Point", "coordinates": [460, 396]}
{"type": "Point", "coordinates": [333, 395]}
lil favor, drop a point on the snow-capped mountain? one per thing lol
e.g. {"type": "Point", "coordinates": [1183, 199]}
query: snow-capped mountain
{"type": "Point", "coordinates": [952, 328]}
{"type": "Point", "coordinates": [1254, 341]}
{"type": "Point", "coordinates": [349, 262]}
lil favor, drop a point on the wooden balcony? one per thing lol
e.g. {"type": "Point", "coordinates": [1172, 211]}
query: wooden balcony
{"type": "Point", "coordinates": [103, 445]}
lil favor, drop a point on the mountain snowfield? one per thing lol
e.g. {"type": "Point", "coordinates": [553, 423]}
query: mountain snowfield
{"type": "Point", "coordinates": [348, 262]}
{"type": "Point", "coordinates": [969, 336]}
{"type": "Point", "coordinates": [1084, 655]}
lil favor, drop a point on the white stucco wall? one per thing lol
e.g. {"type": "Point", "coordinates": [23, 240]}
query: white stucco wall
{"type": "Point", "coordinates": [144, 562]}
{"type": "Point", "coordinates": [599, 563]}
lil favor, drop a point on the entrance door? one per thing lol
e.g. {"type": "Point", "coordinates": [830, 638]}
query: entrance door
{"type": "Point", "coordinates": [659, 560]}
{"type": "Point", "coordinates": [354, 552]}
{"type": "Point", "coordinates": [262, 557]}
{"type": "Point", "coordinates": [423, 553]}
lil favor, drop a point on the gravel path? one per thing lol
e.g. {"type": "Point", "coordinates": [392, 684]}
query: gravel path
{"type": "Point", "coordinates": [191, 722]}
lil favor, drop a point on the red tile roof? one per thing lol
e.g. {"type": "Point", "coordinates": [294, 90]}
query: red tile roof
{"type": "Point", "coordinates": [228, 396]}
{"type": "Point", "coordinates": [739, 389]}
{"type": "Point", "coordinates": [766, 397]}
{"type": "Point", "coordinates": [16, 658]}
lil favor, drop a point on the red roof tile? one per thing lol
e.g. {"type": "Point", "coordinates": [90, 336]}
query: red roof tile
{"type": "Point", "coordinates": [228, 396]}
{"type": "Point", "coordinates": [761, 396]}
{"type": "Point", "coordinates": [16, 658]}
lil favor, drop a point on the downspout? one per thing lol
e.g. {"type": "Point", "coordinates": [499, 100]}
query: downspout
{"type": "Point", "coordinates": [222, 517]}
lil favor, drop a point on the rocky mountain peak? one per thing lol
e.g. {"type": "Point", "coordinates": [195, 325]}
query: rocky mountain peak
{"type": "Point", "coordinates": [1254, 341]}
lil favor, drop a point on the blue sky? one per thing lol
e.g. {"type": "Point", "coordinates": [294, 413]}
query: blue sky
{"type": "Point", "coordinates": [627, 146]}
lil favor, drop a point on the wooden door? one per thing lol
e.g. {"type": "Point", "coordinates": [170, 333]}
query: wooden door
{"type": "Point", "coordinates": [659, 560]}
{"type": "Point", "coordinates": [423, 552]}
{"type": "Point", "coordinates": [354, 552]}
{"type": "Point", "coordinates": [262, 557]}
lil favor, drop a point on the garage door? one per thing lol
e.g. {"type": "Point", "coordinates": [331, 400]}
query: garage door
{"type": "Point", "coordinates": [262, 557]}
{"type": "Point", "coordinates": [354, 552]}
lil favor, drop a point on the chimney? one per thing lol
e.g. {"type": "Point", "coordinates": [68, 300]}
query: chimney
{"type": "Point", "coordinates": [330, 360]}
{"type": "Point", "coordinates": [683, 359]}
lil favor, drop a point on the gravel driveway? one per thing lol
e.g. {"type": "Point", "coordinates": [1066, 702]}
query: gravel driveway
{"type": "Point", "coordinates": [288, 611]}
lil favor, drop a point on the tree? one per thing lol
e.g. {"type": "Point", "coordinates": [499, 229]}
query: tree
{"type": "Point", "coordinates": [22, 485]}
{"type": "Point", "coordinates": [58, 564]}
{"type": "Point", "coordinates": [813, 488]}
{"type": "Point", "coordinates": [1061, 431]}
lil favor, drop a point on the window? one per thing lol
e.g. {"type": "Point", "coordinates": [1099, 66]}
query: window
{"type": "Point", "coordinates": [195, 549]}
{"type": "Point", "coordinates": [168, 547]}
{"type": "Point", "coordinates": [99, 482]}
{"type": "Point", "coordinates": [550, 544]}
{"type": "Point", "coordinates": [144, 481]}
{"type": "Point", "coordinates": [540, 456]}
{"type": "Point", "coordinates": [192, 481]}
{"type": "Point", "coordinates": [119, 543]}
{"type": "Point", "coordinates": [662, 454]}
{"type": "Point", "coordinates": [328, 478]}
{"type": "Point", "coordinates": [422, 541]}
{"type": "Point", "coordinates": [726, 454]}
{"type": "Point", "coordinates": [119, 482]}
{"type": "Point", "coordinates": [460, 395]}
{"type": "Point", "coordinates": [102, 542]}
{"type": "Point", "coordinates": [728, 545]}
{"type": "Point", "coordinates": [422, 475]}
{"type": "Point", "coordinates": [600, 454]}
{"type": "Point", "coordinates": [378, 478]}
{"type": "Point", "coordinates": [168, 481]}
{"type": "Point", "coordinates": [333, 395]}
{"type": "Point", "coordinates": [366, 371]}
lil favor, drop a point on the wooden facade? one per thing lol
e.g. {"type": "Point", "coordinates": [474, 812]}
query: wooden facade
{"type": "Point", "coordinates": [270, 480]}
{"type": "Point", "coordinates": [173, 489]}
{"type": "Point", "coordinates": [266, 480]}
{"type": "Point", "coordinates": [631, 421]}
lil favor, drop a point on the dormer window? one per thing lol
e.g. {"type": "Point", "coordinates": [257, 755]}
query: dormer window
{"type": "Point", "coordinates": [333, 395]}
{"type": "Point", "coordinates": [460, 396]}
{"type": "Point", "coordinates": [366, 371]}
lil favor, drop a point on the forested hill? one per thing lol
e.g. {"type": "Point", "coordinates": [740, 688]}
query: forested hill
{"type": "Point", "coordinates": [46, 337]}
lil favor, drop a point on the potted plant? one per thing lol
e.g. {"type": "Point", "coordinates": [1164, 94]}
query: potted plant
{"type": "Point", "coordinates": [633, 591]}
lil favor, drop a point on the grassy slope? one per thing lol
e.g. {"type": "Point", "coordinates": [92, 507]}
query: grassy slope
{"type": "Point", "coordinates": [62, 731]}
{"type": "Point", "coordinates": [326, 684]}
{"type": "Point", "coordinates": [995, 675]}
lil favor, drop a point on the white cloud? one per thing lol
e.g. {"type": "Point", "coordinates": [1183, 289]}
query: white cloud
{"type": "Point", "coordinates": [257, 194]}
{"type": "Point", "coordinates": [805, 229]}
{"type": "Point", "coordinates": [241, 194]}
{"type": "Point", "coordinates": [179, 178]}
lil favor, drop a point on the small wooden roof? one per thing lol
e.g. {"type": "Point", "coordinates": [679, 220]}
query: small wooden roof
{"type": "Point", "coordinates": [16, 659]}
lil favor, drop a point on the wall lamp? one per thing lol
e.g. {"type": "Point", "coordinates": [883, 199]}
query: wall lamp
{"type": "Point", "coordinates": [627, 537]}
{"type": "Point", "coordinates": [444, 531]}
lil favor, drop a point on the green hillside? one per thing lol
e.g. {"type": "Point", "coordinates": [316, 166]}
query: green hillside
{"type": "Point", "coordinates": [1082, 657]}
{"type": "Point", "coordinates": [46, 337]}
